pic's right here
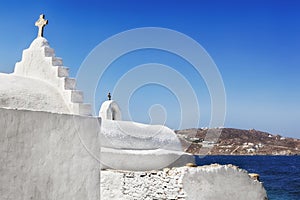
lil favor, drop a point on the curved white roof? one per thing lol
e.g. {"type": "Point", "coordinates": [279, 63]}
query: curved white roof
{"type": "Point", "coordinates": [18, 92]}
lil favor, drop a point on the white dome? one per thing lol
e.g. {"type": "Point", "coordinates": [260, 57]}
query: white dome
{"type": "Point", "coordinates": [18, 92]}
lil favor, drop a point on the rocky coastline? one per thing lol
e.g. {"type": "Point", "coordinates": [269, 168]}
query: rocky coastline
{"type": "Point", "coordinates": [237, 142]}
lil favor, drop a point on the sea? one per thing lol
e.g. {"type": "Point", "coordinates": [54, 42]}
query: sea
{"type": "Point", "coordinates": [280, 174]}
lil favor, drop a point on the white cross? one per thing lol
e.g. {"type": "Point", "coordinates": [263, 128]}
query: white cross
{"type": "Point", "coordinates": [41, 23]}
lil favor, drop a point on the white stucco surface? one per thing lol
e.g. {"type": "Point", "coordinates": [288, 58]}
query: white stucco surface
{"type": "Point", "coordinates": [23, 93]}
{"type": "Point", "coordinates": [133, 135]}
{"type": "Point", "coordinates": [212, 182]}
{"type": "Point", "coordinates": [47, 156]}
{"type": "Point", "coordinates": [134, 146]}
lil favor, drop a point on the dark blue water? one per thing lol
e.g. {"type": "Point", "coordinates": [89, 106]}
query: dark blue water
{"type": "Point", "coordinates": [279, 174]}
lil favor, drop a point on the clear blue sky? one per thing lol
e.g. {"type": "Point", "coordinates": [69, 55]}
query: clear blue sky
{"type": "Point", "coordinates": [255, 44]}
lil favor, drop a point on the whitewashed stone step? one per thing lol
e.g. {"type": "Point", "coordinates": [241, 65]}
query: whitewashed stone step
{"type": "Point", "coordinates": [77, 96]}
{"type": "Point", "coordinates": [69, 83]}
{"type": "Point", "coordinates": [62, 71]}
{"type": "Point", "coordinates": [49, 52]}
{"type": "Point", "coordinates": [57, 61]}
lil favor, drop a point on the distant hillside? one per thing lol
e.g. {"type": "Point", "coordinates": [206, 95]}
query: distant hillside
{"type": "Point", "coordinates": [237, 142]}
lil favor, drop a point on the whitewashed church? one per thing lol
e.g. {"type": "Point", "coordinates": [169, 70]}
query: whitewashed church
{"type": "Point", "coordinates": [52, 148]}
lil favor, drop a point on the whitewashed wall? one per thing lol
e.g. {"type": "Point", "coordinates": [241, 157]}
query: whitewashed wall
{"type": "Point", "coordinates": [43, 156]}
{"type": "Point", "coordinates": [212, 182]}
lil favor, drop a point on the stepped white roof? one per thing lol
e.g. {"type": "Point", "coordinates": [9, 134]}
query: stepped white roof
{"type": "Point", "coordinates": [40, 82]}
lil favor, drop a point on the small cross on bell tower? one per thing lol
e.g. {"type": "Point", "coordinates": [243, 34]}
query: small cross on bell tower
{"type": "Point", "coordinates": [41, 23]}
{"type": "Point", "coordinates": [109, 96]}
